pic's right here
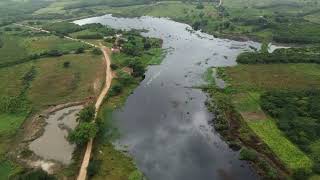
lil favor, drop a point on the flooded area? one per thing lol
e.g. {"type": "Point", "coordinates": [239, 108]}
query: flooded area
{"type": "Point", "coordinates": [165, 124]}
{"type": "Point", "coordinates": [53, 144]}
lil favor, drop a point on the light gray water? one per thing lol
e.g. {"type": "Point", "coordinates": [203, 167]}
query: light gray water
{"type": "Point", "coordinates": [166, 125]}
{"type": "Point", "coordinates": [53, 144]}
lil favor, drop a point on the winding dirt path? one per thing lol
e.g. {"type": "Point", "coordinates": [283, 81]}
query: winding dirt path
{"type": "Point", "coordinates": [108, 79]}
{"type": "Point", "coordinates": [86, 159]}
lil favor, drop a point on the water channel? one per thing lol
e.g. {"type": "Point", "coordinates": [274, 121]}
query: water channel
{"type": "Point", "coordinates": [164, 123]}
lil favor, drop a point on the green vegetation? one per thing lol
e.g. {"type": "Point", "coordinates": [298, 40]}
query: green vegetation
{"type": "Point", "coordinates": [263, 19]}
{"type": "Point", "coordinates": [8, 169]}
{"type": "Point", "coordinates": [86, 129]}
{"type": "Point", "coordinates": [291, 55]}
{"type": "Point", "coordinates": [83, 133]}
{"type": "Point", "coordinates": [129, 65]}
{"type": "Point", "coordinates": [277, 89]}
{"type": "Point", "coordinates": [33, 174]}
{"type": "Point", "coordinates": [297, 115]}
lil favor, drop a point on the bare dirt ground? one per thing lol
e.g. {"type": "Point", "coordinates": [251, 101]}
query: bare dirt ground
{"type": "Point", "coordinates": [109, 76]}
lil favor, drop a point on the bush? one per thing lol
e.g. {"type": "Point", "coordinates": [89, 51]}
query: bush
{"type": "Point", "coordinates": [87, 114]}
{"type": "Point", "coordinates": [13, 104]}
{"type": "Point", "coordinates": [136, 175]}
{"type": "Point", "coordinates": [93, 167]}
{"type": "Point", "coordinates": [316, 167]}
{"type": "Point", "coordinates": [96, 51]}
{"type": "Point", "coordinates": [114, 66]}
{"type": "Point", "coordinates": [1, 43]}
{"type": "Point", "coordinates": [116, 90]}
{"type": "Point", "coordinates": [301, 174]}
{"type": "Point", "coordinates": [83, 133]}
{"type": "Point", "coordinates": [291, 55]}
{"type": "Point", "coordinates": [248, 154]}
{"type": "Point", "coordinates": [66, 64]}
{"type": "Point", "coordinates": [200, 6]}
{"type": "Point", "coordinates": [54, 53]}
{"type": "Point", "coordinates": [33, 175]}
{"type": "Point", "coordinates": [90, 36]}
{"type": "Point", "coordinates": [80, 50]}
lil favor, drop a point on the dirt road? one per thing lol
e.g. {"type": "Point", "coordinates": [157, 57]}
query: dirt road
{"type": "Point", "coordinates": [86, 159]}
{"type": "Point", "coordinates": [108, 79]}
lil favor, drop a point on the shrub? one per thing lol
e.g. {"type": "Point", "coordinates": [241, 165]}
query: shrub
{"type": "Point", "coordinates": [33, 175]}
{"type": "Point", "coordinates": [66, 64]}
{"type": "Point", "coordinates": [80, 50]}
{"type": "Point", "coordinates": [115, 90]}
{"type": "Point", "coordinates": [87, 114]}
{"type": "Point", "coordinates": [301, 174]}
{"type": "Point", "coordinates": [93, 167]}
{"type": "Point", "coordinates": [136, 175]}
{"type": "Point", "coordinates": [114, 66]}
{"type": "Point", "coordinates": [54, 53]}
{"type": "Point", "coordinates": [96, 51]}
{"type": "Point", "coordinates": [248, 154]}
{"type": "Point", "coordinates": [83, 133]}
{"type": "Point", "coordinates": [200, 6]}
{"type": "Point", "coordinates": [1, 43]}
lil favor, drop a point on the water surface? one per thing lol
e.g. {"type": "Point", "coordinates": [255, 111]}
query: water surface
{"type": "Point", "coordinates": [53, 144]}
{"type": "Point", "coordinates": [165, 124]}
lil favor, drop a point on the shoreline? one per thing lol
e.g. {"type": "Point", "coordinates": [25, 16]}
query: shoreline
{"type": "Point", "coordinates": [237, 134]}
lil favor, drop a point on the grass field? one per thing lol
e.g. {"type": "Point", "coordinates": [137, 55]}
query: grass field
{"type": "Point", "coordinates": [7, 168]}
{"type": "Point", "coordinates": [47, 43]}
{"type": "Point", "coordinates": [266, 77]}
{"type": "Point", "coordinates": [55, 84]}
{"type": "Point", "coordinates": [11, 79]}
{"type": "Point", "coordinates": [12, 50]}
{"type": "Point", "coordinates": [248, 82]}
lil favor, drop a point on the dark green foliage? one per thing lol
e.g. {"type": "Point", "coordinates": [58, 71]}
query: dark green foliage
{"type": "Point", "coordinates": [297, 115]}
{"type": "Point", "coordinates": [114, 66]}
{"type": "Point", "coordinates": [291, 55]}
{"type": "Point", "coordinates": [301, 174]}
{"type": "Point", "coordinates": [54, 53]}
{"type": "Point", "coordinates": [29, 76]}
{"type": "Point", "coordinates": [93, 167]}
{"type": "Point", "coordinates": [90, 36]}
{"type": "Point", "coordinates": [66, 64]}
{"type": "Point", "coordinates": [248, 154]}
{"type": "Point", "coordinates": [115, 90]}
{"type": "Point", "coordinates": [13, 11]}
{"type": "Point", "coordinates": [124, 78]}
{"type": "Point", "coordinates": [83, 133]}
{"type": "Point", "coordinates": [63, 28]}
{"type": "Point", "coordinates": [87, 114]}
{"type": "Point", "coordinates": [80, 50]}
{"type": "Point", "coordinates": [37, 174]}
{"type": "Point", "coordinates": [96, 51]}
{"type": "Point", "coordinates": [199, 6]}
{"type": "Point", "coordinates": [1, 43]}
{"type": "Point", "coordinates": [13, 104]}
{"type": "Point", "coordinates": [111, 3]}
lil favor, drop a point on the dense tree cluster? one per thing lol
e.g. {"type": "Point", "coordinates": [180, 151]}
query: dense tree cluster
{"type": "Point", "coordinates": [298, 116]}
{"type": "Point", "coordinates": [86, 129]}
{"type": "Point", "coordinates": [291, 55]}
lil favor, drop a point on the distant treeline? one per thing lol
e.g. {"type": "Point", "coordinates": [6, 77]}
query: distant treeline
{"type": "Point", "coordinates": [51, 53]}
{"type": "Point", "coordinates": [65, 28]}
{"type": "Point", "coordinates": [291, 55]}
{"type": "Point", "coordinates": [13, 11]}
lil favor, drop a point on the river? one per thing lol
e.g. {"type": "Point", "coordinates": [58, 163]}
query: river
{"type": "Point", "coordinates": [164, 124]}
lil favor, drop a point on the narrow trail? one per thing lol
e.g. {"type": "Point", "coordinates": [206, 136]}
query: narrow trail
{"type": "Point", "coordinates": [86, 159]}
{"type": "Point", "coordinates": [108, 79]}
